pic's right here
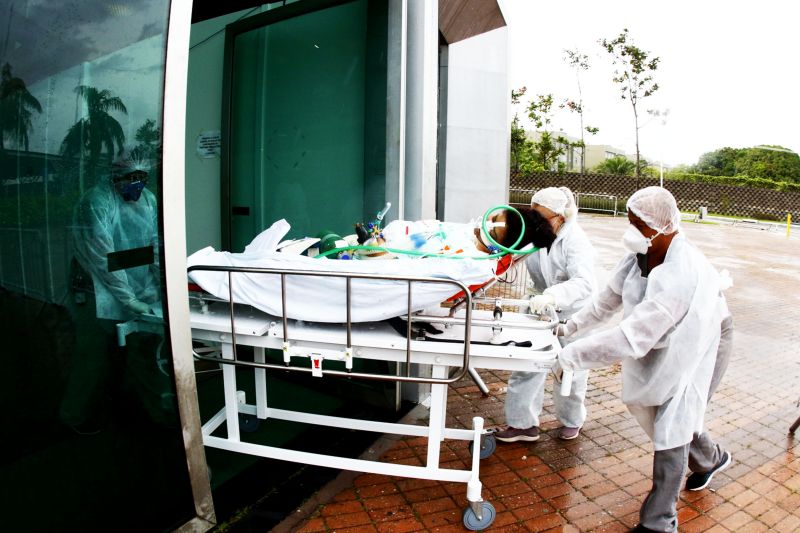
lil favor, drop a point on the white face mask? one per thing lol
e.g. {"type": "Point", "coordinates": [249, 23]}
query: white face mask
{"type": "Point", "coordinates": [635, 242]}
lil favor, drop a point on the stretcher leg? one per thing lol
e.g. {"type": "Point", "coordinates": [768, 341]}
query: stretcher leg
{"type": "Point", "coordinates": [261, 384]}
{"type": "Point", "coordinates": [478, 381]}
{"type": "Point", "coordinates": [480, 514]}
{"type": "Point", "coordinates": [231, 397]}
{"type": "Point", "coordinates": [436, 421]}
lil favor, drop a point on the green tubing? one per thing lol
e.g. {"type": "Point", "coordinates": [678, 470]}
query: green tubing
{"type": "Point", "coordinates": [504, 250]}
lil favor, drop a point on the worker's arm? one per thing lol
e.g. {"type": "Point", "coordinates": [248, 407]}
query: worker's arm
{"type": "Point", "coordinates": [647, 327]}
{"type": "Point", "coordinates": [580, 282]}
{"type": "Point", "coordinates": [94, 241]}
{"type": "Point", "coordinates": [604, 304]}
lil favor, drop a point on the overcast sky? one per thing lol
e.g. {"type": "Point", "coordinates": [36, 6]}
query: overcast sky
{"type": "Point", "coordinates": [728, 74]}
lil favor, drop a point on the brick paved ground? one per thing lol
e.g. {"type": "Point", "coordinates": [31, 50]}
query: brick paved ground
{"type": "Point", "coordinates": [597, 482]}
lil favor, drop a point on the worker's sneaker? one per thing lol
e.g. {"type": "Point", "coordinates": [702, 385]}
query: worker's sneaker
{"type": "Point", "coordinates": [568, 433]}
{"type": "Point", "coordinates": [514, 434]}
{"type": "Point", "coordinates": [700, 480]}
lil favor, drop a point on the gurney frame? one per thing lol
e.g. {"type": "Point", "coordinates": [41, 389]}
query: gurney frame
{"type": "Point", "coordinates": [265, 331]}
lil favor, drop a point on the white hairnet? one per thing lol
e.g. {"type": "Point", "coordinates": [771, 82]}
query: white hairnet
{"type": "Point", "coordinates": [559, 200]}
{"type": "Point", "coordinates": [127, 162]}
{"type": "Point", "coordinates": [657, 208]}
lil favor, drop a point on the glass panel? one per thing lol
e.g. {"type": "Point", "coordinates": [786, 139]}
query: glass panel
{"type": "Point", "coordinates": [308, 122]}
{"type": "Point", "coordinates": [90, 439]}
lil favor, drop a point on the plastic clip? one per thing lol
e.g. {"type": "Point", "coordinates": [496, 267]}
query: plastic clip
{"type": "Point", "coordinates": [316, 365]}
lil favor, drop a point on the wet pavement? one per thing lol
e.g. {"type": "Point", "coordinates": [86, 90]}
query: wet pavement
{"type": "Point", "coordinates": [598, 481]}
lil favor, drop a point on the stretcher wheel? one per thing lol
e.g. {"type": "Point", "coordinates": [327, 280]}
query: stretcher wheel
{"type": "Point", "coordinates": [488, 446]}
{"type": "Point", "coordinates": [471, 521]}
{"type": "Point", "coordinates": [248, 423]}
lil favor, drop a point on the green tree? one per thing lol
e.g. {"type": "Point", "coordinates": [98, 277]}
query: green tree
{"type": "Point", "coordinates": [766, 162]}
{"type": "Point", "coordinates": [98, 135]}
{"type": "Point", "coordinates": [579, 62]}
{"type": "Point", "coordinates": [16, 109]}
{"type": "Point", "coordinates": [720, 162]}
{"type": "Point", "coordinates": [548, 147]}
{"type": "Point", "coordinates": [633, 72]}
{"type": "Point", "coordinates": [521, 145]}
{"type": "Point", "coordinates": [769, 162]}
{"type": "Point", "coordinates": [618, 165]}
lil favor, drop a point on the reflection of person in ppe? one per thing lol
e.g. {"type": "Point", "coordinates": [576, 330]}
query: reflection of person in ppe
{"type": "Point", "coordinates": [673, 342]}
{"type": "Point", "coordinates": [563, 273]}
{"type": "Point", "coordinates": [116, 215]}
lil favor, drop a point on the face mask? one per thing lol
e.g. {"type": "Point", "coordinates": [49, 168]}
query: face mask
{"type": "Point", "coordinates": [132, 191]}
{"type": "Point", "coordinates": [635, 242]}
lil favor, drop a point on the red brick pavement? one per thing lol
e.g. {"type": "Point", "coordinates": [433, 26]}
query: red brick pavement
{"type": "Point", "coordinates": [597, 482]}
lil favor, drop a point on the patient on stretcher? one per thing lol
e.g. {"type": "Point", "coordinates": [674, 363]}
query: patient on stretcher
{"type": "Point", "coordinates": [500, 231]}
{"type": "Point", "coordinates": [322, 298]}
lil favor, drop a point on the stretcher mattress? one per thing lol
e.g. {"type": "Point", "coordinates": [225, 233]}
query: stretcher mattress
{"type": "Point", "coordinates": [324, 299]}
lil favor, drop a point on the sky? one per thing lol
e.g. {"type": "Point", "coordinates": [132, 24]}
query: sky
{"type": "Point", "coordinates": [729, 71]}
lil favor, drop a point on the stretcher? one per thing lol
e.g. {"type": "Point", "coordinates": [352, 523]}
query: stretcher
{"type": "Point", "coordinates": [470, 339]}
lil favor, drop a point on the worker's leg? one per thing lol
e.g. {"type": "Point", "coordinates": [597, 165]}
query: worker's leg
{"type": "Point", "coordinates": [723, 354]}
{"type": "Point", "coordinates": [658, 511]}
{"type": "Point", "coordinates": [704, 453]}
{"type": "Point", "coordinates": [524, 399]}
{"type": "Point", "coordinates": [570, 409]}
{"type": "Point", "coordinates": [90, 365]}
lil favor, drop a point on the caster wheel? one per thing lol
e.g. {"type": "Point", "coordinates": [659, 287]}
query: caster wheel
{"type": "Point", "coordinates": [249, 423]}
{"type": "Point", "coordinates": [471, 521]}
{"type": "Point", "coordinates": [488, 446]}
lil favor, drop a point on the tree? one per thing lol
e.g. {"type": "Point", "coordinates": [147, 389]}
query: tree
{"type": "Point", "coordinates": [579, 62]}
{"type": "Point", "coordinates": [98, 134]}
{"type": "Point", "coordinates": [149, 138]}
{"type": "Point", "coordinates": [768, 162]}
{"type": "Point", "coordinates": [619, 165]}
{"type": "Point", "coordinates": [16, 107]}
{"type": "Point", "coordinates": [633, 72]}
{"type": "Point", "coordinates": [547, 148]}
{"type": "Point", "coordinates": [720, 162]}
{"type": "Point", "coordinates": [521, 146]}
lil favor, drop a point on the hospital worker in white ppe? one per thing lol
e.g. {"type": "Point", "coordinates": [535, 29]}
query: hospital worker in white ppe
{"type": "Point", "coordinates": [563, 274]}
{"type": "Point", "coordinates": [117, 215]}
{"type": "Point", "coordinates": [668, 343]}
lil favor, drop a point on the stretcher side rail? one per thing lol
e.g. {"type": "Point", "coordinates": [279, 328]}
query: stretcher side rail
{"type": "Point", "coordinates": [348, 350]}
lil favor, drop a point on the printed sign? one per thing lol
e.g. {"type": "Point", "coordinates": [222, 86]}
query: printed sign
{"type": "Point", "coordinates": [209, 144]}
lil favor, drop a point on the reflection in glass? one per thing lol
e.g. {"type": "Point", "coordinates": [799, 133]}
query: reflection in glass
{"type": "Point", "coordinates": [91, 429]}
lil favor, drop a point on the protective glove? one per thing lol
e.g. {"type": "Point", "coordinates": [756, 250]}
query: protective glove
{"type": "Point", "coordinates": [566, 329]}
{"type": "Point", "coordinates": [138, 307]}
{"type": "Point", "coordinates": [539, 303]}
{"type": "Point", "coordinates": [560, 365]}
{"type": "Point", "coordinates": [557, 371]}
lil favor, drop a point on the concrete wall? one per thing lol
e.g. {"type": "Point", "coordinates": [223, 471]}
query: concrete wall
{"type": "Point", "coordinates": [476, 160]}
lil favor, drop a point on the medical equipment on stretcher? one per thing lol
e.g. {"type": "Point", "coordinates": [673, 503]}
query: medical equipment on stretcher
{"type": "Point", "coordinates": [470, 338]}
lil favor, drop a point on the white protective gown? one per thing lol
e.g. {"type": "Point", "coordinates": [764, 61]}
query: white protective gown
{"type": "Point", "coordinates": [105, 223]}
{"type": "Point", "coordinates": [667, 340]}
{"type": "Point", "coordinates": [567, 270]}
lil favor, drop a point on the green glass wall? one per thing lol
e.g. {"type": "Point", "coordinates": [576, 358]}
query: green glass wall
{"type": "Point", "coordinates": [90, 439]}
{"type": "Point", "coordinates": [308, 121]}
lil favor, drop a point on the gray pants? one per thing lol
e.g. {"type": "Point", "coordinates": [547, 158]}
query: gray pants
{"type": "Point", "coordinates": [525, 398]}
{"type": "Point", "coordinates": [658, 511]}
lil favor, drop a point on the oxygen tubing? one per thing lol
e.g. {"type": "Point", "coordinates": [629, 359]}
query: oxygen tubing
{"type": "Point", "coordinates": [503, 249]}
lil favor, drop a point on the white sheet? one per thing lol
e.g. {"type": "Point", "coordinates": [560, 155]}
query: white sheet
{"type": "Point", "coordinates": [323, 299]}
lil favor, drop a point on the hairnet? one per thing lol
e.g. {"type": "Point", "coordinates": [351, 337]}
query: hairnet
{"type": "Point", "coordinates": [127, 162]}
{"type": "Point", "coordinates": [657, 208]}
{"type": "Point", "coordinates": [559, 200]}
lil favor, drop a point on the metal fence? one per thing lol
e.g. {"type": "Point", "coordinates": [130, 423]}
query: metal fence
{"type": "Point", "coordinates": [598, 203]}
